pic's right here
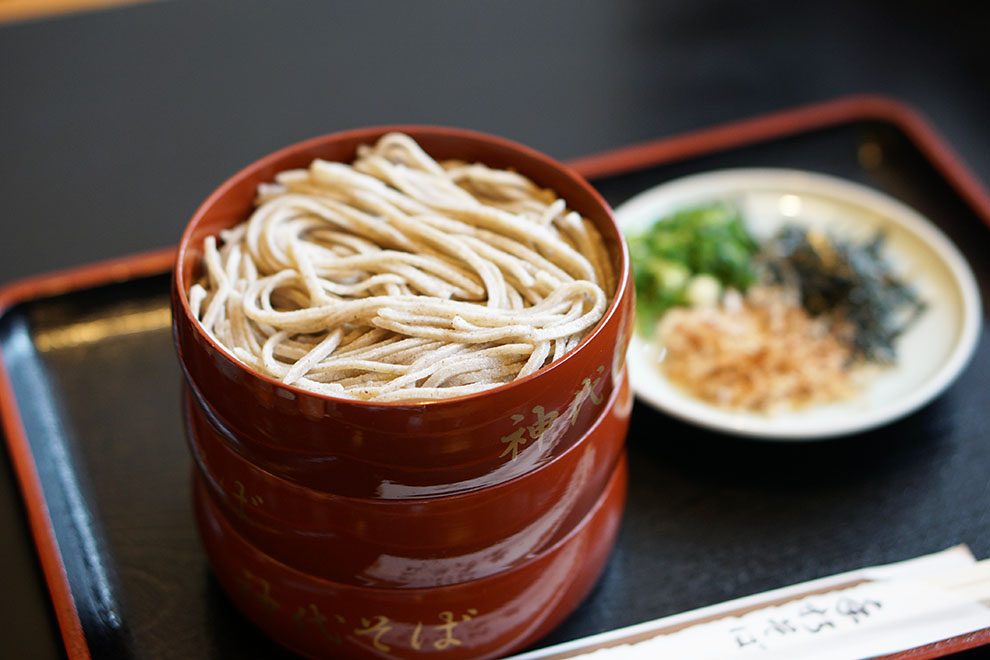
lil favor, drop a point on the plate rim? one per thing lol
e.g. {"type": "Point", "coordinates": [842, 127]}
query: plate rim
{"type": "Point", "coordinates": [849, 192]}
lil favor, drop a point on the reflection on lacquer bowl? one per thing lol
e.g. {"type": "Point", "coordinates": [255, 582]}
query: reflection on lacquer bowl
{"type": "Point", "coordinates": [356, 529]}
{"type": "Point", "coordinates": [422, 542]}
{"type": "Point", "coordinates": [479, 619]}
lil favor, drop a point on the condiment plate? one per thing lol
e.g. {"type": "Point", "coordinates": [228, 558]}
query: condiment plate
{"type": "Point", "coordinates": [931, 354]}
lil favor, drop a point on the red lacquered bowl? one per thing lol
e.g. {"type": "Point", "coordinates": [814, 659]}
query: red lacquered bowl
{"type": "Point", "coordinates": [410, 542]}
{"type": "Point", "coordinates": [466, 526]}
{"type": "Point", "coordinates": [353, 447]}
{"type": "Point", "coordinates": [480, 619]}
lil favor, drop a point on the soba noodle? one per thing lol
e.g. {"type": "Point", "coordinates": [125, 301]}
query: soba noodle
{"type": "Point", "coordinates": [398, 278]}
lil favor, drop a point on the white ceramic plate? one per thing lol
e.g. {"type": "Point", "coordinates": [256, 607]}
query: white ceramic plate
{"type": "Point", "coordinates": [930, 354]}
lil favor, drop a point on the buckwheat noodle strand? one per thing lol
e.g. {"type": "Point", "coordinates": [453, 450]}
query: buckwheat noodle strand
{"type": "Point", "coordinates": [399, 278]}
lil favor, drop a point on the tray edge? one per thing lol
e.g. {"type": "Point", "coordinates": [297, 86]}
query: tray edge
{"type": "Point", "coordinates": [22, 460]}
{"type": "Point", "coordinates": [613, 162]}
{"type": "Point", "coordinates": [794, 121]}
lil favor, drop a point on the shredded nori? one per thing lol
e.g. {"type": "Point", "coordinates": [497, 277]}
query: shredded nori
{"type": "Point", "coordinates": [850, 284]}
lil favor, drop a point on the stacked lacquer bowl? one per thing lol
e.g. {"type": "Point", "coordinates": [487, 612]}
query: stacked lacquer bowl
{"type": "Point", "coordinates": [458, 528]}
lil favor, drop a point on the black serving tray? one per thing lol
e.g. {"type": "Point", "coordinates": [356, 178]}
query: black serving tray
{"type": "Point", "coordinates": [92, 419]}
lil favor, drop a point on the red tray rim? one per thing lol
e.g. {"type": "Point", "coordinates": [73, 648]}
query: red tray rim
{"type": "Point", "coordinates": [622, 160]}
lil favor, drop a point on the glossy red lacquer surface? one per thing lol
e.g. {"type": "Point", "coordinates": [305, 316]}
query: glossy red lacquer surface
{"type": "Point", "coordinates": [410, 542]}
{"type": "Point", "coordinates": [480, 619]}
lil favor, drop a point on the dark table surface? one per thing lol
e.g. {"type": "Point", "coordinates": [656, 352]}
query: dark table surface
{"type": "Point", "coordinates": [114, 125]}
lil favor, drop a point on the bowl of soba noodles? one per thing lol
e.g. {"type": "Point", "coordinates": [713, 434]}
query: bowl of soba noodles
{"type": "Point", "coordinates": [403, 350]}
